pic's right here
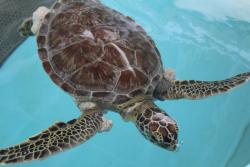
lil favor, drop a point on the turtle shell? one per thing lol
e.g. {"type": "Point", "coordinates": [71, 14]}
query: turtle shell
{"type": "Point", "coordinates": [93, 51]}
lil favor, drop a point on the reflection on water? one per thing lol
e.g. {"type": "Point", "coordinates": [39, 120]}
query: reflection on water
{"type": "Point", "coordinates": [213, 130]}
{"type": "Point", "coordinates": [219, 10]}
{"type": "Point", "coordinates": [241, 150]}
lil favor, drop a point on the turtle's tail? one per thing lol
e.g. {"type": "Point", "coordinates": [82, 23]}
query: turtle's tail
{"type": "Point", "coordinates": [192, 89]}
{"type": "Point", "coordinates": [59, 137]}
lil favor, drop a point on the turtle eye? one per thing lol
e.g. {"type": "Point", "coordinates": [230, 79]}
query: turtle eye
{"type": "Point", "coordinates": [158, 127]}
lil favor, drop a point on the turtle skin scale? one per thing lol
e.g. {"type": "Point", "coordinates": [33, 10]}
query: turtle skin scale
{"type": "Point", "coordinates": [95, 52]}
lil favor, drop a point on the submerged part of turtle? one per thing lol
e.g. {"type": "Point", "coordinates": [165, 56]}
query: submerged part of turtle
{"type": "Point", "coordinates": [105, 61]}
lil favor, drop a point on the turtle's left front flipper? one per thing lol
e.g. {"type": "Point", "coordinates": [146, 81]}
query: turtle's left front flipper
{"type": "Point", "coordinates": [57, 138]}
{"type": "Point", "coordinates": [192, 89]}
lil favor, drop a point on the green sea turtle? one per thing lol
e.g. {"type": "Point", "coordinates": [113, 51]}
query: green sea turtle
{"type": "Point", "coordinates": [105, 61]}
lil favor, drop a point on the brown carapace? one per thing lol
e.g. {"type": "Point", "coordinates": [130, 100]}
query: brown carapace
{"type": "Point", "coordinates": [105, 61]}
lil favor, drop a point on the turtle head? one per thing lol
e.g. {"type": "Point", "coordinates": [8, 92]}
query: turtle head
{"type": "Point", "coordinates": [156, 126]}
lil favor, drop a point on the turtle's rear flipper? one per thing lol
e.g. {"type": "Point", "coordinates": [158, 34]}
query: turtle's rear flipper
{"type": "Point", "coordinates": [192, 89]}
{"type": "Point", "coordinates": [25, 28]}
{"type": "Point", "coordinates": [57, 138]}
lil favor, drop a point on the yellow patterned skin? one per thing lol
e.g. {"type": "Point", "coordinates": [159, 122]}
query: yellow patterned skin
{"type": "Point", "coordinates": [193, 89]}
{"type": "Point", "coordinates": [152, 122]}
{"type": "Point", "coordinates": [57, 138]}
{"type": "Point", "coordinates": [156, 125]}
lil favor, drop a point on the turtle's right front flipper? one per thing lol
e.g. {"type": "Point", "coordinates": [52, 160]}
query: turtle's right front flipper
{"type": "Point", "coordinates": [57, 138]}
{"type": "Point", "coordinates": [193, 89]}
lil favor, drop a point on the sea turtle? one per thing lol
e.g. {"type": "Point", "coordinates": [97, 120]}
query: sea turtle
{"type": "Point", "coordinates": [105, 61]}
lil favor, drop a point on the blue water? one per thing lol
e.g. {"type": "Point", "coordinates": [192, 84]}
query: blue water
{"type": "Point", "coordinates": [195, 41]}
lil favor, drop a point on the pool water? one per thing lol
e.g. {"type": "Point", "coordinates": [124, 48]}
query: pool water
{"type": "Point", "coordinates": [199, 41]}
